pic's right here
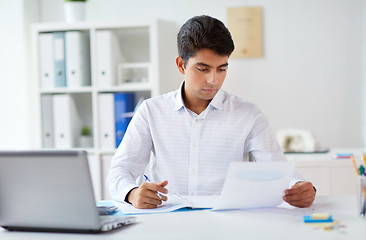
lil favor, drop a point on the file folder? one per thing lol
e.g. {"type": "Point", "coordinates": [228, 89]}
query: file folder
{"type": "Point", "coordinates": [108, 56]}
{"type": "Point", "coordinates": [106, 165]}
{"type": "Point", "coordinates": [66, 121]}
{"type": "Point", "coordinates": [107, 137]}
{"type": "Point", "coordinates": [59, 58]}
{"type": "Point", "coordinates": [94, 169]}
{"type": "Point", "coordinates": [47, 121]}
{"type": "Point", "coordinates": [77, 59]}
{"type": "Point", "coordinates": [124, 104]}
{"type": "Point", "coordinates": [47, 67]}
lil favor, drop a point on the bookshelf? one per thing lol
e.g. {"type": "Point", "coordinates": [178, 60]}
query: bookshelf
{"type": "Point", "coordinates": [139, 58]}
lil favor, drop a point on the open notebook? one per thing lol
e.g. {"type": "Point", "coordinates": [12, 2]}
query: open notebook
{"type": "Point", "coordinates": [174, 203]}
{"type": "Point", "coordinates": [247, 185]}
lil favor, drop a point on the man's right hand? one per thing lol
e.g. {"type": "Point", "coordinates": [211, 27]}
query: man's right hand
{"type": "Point", "coordinates": [146, 196]}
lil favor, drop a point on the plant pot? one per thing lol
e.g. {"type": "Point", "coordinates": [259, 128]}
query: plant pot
{"type": "Point", "coordinates": [86, 141]}
{"type": "Point", "coordinates": [74, 11]}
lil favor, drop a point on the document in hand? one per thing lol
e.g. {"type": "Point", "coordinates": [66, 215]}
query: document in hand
{"type": "Point", "coordinates": [255, 185]}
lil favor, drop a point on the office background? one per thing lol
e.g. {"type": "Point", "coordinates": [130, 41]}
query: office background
{"type": "Point", "coordinates": [312, 75]}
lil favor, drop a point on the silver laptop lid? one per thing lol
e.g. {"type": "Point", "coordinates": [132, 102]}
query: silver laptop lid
{"type": "Point", "coordinates": [47, 189]}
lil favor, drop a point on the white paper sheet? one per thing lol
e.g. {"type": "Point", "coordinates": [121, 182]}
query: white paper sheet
{"type": "Point", "coordinates": [255, 185]}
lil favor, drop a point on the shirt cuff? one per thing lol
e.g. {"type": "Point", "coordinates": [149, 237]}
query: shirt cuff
{"type": "Point", "coordinates": [126, 191]}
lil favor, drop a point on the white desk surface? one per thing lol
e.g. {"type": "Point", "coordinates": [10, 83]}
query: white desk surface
{"type": "Point", "coordinates": [270, 223]}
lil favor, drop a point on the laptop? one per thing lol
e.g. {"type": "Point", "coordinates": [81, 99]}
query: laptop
{"type": "Point", "coordinates": [50, 191]}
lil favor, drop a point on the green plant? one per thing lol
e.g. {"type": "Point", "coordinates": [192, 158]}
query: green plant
{"type": "Point", "coordinates": [85, 131]}
{"type": "Point", "coordinates": [76, 0]}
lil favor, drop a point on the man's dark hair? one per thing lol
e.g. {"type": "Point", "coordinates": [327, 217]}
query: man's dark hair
{"type": "Point", "coordinates": [203, 32]}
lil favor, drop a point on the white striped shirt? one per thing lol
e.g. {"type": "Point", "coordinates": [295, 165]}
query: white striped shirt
{"type": "Point", "coordinates": [191, 151]}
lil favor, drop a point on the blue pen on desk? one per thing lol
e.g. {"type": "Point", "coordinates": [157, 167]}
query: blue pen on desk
{"type": "Point", "coordinates": [148, 181]}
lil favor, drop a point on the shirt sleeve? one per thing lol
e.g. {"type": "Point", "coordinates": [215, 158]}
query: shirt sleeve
{"type": "Point", "coordinates": [131, 157]}
{"type": "Point", "coordinates": [262, 144]}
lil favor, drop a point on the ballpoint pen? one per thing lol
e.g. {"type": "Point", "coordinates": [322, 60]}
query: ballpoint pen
{"type": "Point", "coordinates": [148, 181]}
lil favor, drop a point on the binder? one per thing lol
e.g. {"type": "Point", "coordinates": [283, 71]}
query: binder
{"type": "Point", "coordinates": [106, 165]}
{"type": "Point", "coordinates": [107, 137]}
{"type": "Point", "coordinates": [66, 121]}
{"type": "Point", "coordinates": [94, 169]}
{"type": "Point", "coordinates": [47, 68]}
{"type": "Point", "coordinates": [47, 121]}
{"type": "Point", "coordinates": [124, 104]}
{"type": "Point", "coordinates": [77, 59]}
{"type": "Point", "coordinates": [59, 58]}
{"type": "Point", "coordinates": [108, 56]}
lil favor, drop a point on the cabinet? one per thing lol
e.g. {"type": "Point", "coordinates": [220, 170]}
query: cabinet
{"type": "Point", "coordinates": [330, 176]}
{"type": "Point", "coordinates": [78, 66]}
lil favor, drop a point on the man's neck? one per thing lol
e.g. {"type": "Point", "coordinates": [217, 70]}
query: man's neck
{"type": "Point", "coordinates": [194, 104]}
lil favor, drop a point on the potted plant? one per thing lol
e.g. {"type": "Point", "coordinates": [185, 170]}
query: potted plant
{"type": "Point", "coordinates": [86, 139]}
{"type": "Point", "coordinates": [74, 10]}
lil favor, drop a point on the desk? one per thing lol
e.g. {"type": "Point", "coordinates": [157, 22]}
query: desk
{"type": "Point", "coordinates": [270, 223]}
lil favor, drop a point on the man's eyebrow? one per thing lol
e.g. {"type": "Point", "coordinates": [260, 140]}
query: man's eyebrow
{"type": "Point", "coordinates": [206, 65]}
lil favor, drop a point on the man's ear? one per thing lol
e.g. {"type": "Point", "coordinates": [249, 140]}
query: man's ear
{"type": "Point", "coordinates": [180, 64]}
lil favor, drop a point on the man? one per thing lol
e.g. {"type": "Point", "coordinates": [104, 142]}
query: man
{"type": "Point", "coordinates": [194, 133]}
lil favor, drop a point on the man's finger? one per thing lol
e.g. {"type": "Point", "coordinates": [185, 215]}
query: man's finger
{"type": "Point", "coordinates": [298, 188]}
{"type": "Point", "coordinates": [157, 188]}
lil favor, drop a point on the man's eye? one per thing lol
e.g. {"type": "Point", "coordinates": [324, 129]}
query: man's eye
{"type": "Point", "coordinates": [222, 69]}
{"type": "Point", "coordinates": [202, 69]}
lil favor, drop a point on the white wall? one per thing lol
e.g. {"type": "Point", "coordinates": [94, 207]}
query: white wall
{"type": "Point", "coordinates": [310, 77]}
{"type": "Point", "coordinates": [15, 89]}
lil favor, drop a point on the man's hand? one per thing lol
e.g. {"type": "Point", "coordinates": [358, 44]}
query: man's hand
{"type": "Point", "coordinates": [302, 194]}
{"type": "Point", "coordinates": [146, 196]}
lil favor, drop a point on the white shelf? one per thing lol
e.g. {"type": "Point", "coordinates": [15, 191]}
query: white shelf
{"type": "Point", "coordinates": [67, 90]}
{"type": "Point", "coordinates": [144, 44]}
{"type": "Point", "coordinates": [127, 87]}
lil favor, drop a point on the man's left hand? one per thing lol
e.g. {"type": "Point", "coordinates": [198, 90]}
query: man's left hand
{"type": "Point", "coordinates": [302, 194]}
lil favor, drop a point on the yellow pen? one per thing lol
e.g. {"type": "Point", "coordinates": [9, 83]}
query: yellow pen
{"type": "Point", "coordinates": [354, 165]}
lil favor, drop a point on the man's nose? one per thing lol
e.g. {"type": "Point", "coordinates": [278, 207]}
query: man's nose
{"type": "Point", "coordinates": [212, 78]}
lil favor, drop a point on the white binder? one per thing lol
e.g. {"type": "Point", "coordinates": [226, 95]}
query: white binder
{"type": "Point", "coordinates": [77, 59]}
{"type": "Point", "coordinates": [106, 165]}
{"type": "Point", "coordinates": [108, 56]}
{"type": "Point", "coordinates": [66, 121]}
{"type": "Point", "coordinates": [47, 121]}
{"type": "Point", "coordinates": [94, 169]}
{"type": "Point", "coordinates": [47, 68]}
{"type": "Point", "coordinates": [107, 131]}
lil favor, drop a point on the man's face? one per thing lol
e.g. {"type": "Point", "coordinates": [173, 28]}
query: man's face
{"type": "Point", "coordinates": [204, 75]}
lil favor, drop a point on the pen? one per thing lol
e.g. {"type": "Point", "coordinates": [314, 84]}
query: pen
{"type": "Point", "coordinates": [354, 165]}
{"type": "Point", "coordinates": [359, 173]}
{"type": "Point", "coordinates": [148, 181]}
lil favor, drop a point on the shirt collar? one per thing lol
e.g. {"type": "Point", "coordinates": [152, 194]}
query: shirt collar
{"type": "Point", "coordinates": [179, 98]}
{"type": "Point", "coordinates": [218, 99]}
{"type": "Point", "coordinates": [216, 102]}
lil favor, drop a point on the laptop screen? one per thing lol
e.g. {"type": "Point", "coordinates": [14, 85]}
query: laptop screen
{"type": "Point", "coordinates": [47, 189]}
